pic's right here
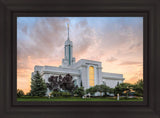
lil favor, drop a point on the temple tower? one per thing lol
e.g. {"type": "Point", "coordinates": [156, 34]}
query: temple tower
{"type": "Point", "coordinates": [68, 52]}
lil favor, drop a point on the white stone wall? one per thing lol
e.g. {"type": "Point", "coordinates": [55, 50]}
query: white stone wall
{"type": "Point", "coordinates": [83, 75]}
{"type": "Point", "coordinates": [99, 71]}
{"type": "Point", "coordinates": [112, 83]}
{"type": "Point", "coordinates": [78, 81]}
{"type": "Point", "coordinates": [111, 79]}
{"type": "Point", "coordinates": [45, 77]}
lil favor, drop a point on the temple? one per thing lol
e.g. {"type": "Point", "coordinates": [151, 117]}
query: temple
{"type": "Point", "coordinates": [87, 73]}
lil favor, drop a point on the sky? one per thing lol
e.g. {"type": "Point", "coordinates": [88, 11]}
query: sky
{"type": "Point", "coordinates": [117, 42]}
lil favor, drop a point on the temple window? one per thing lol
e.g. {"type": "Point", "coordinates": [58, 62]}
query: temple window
{"type": "Point", "coordinates": [91, 76]}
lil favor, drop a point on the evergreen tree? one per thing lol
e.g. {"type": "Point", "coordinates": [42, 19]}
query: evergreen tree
{"type": "Point", "coordinates": [38, 86]}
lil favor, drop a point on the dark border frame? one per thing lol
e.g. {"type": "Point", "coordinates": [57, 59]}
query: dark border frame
{"type": "Point", "coordinates": [80, 103]}
{"type": "Point", "coordinates": [9, 10]}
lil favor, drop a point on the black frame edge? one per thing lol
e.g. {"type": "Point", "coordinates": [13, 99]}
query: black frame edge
{"type": "Point", "coordinates": [152, 110]}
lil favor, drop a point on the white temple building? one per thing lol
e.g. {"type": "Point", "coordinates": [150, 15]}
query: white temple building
{"type": "Point", "coordinates": [85, 72]}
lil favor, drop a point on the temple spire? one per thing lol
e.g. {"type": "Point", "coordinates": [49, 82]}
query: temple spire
{"type": "Point", "coordinates": [68, 53]}
{"type": "Point", "coordinates": [68, 30]}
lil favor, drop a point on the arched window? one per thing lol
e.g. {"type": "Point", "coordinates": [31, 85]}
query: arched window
{"type": "Point", "coordinates": [91, 76]}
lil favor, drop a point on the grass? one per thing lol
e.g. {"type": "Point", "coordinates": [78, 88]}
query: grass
{"type": "Point", "coordinates": [76, 99]}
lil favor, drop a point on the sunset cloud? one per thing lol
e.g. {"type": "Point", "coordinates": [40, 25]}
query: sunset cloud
{"type": "Point", "coordinates": [130, 63]}
{"type": "Point", "coordinates": [111, 59]}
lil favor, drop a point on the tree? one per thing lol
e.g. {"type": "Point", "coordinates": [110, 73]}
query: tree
{"type": "Point", "coordinates": [79, 91]}
{"type": "Point", "coordinates": [91, 90]}
{"type": "Point", "coordinates": [138, 87]}
{"type": "Point", "coordinates": [102, 88]}
{"type": "Point", "coordinates": [123, 88]}
{"type": "Point", "coordinates": [98, 88]}
{"type": "Point", "coordinates": [38, 86]}
{"type": "Point", "coordinates": [54, 83]}
{"type": "Point", "coordinates": [20, 93]}
{"type": "Point", "coordinates": [111, 90]}
{"type": "Point", "coordinates": [58, 83]}
{"type": "Point", "coordinates": [105, 89]}
{"type": "Point", "coordinates": [68, 83]}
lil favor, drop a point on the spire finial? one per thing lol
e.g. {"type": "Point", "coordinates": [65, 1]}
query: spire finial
{"type": "Point", "coordinates": [68, 30]}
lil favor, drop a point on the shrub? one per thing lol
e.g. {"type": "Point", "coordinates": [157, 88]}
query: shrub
{"type": "Point", "coordinates": [66, 94]}
{"type": "Point", "coordinates": [91, 90]}
{"type": "Point", "coordinates": [98, 88]}
{"type": "Point", "coordinates": [20, 93]}
{"type": "Point", "coordinates": [79, 91]}
{"type": "Point", "coordinates": [56, 93]}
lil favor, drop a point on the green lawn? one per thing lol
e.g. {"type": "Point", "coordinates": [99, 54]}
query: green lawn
{"type": "Point", "coordinates": [76, 99]}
